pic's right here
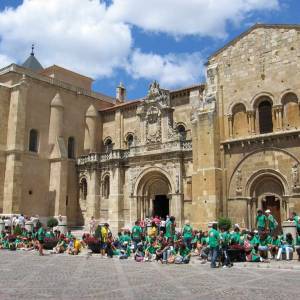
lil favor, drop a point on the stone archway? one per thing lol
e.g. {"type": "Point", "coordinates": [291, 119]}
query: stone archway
{"type": "Point", "coordinates": [268, 192]}
{"type": "Point", "coordinates": [155, 193]}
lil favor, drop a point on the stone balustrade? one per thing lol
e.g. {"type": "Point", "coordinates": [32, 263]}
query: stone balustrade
{"type": "Point", "coordinates": [120, 154]}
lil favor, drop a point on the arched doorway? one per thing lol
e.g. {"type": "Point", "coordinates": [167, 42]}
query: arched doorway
{"type": "Point", "coordinates": [267, 192]}
{"type": "Point", "coordinates": [153, 195]}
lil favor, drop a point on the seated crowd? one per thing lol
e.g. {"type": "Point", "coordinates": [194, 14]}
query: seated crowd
{"type": "Point", "coordinates": [163, 243]}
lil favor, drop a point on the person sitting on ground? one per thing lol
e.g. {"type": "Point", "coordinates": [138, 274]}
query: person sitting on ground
{"type": "Point", "coordinates": [183, 255]}
{"type": "Point", "coordinates": [274, 247]}
{"type": "Point", "coordinates": [150, 252]}
{"type": "Point", "coordinates": [69, 235]}
{"type": "Point", "coordinates": [125, 252]}
{"type": "Point", "coordinates": [61, 245]}
{"type": "Point", "coordinates": [235, 238]}
{"type": "Point", "coordinates": [287, 247]}
{"type": "Point", "coordinates": [140, 253]}
{"type": "Point", "coordinates": [264, 242]}
{"type": "Point", "coordinates": [254, 255]}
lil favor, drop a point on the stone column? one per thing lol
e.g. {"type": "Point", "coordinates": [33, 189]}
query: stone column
{"type": "Point", "coordinates": [93, 196]}
{"type": "Point", "coordinates": [249, 213]}
{"type": "Point", "coordinates": [230, 126]}
{"type": "Point", "coordinates": [116, 205]}
{"type": "Point", "coordinates": [176, 208]}
{"type": "Point", "coordinates": [16, 141]}
{"type": "Point", "coordinates": [91, 134]}
{"type": "Point", "coordinates": [251, 120]}
{"type": "Point", "coordinates": [58, 185]}
{"type": "Point", "coordinates": [56, 124]}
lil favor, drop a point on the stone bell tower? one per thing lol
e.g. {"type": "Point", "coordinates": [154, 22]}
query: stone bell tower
{"type": "Point", "coordinates": [207, 174]}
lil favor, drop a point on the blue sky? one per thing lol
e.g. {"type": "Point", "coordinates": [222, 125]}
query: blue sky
{"type": "Point", "coordinates": [133, 41]}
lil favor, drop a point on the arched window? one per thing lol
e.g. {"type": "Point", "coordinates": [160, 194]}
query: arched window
{"type": "Point", "coordinates": [129, 140]}
{"type": "Point", "coordinates": [239, 120]}
{"type": "Point", "coordinates": [291, 118]}
{"type": "Point", "coordinates": [33, 140]}
{"type": "Point", "coordinates": [108, 145]}
{"type": "Point", "coordinates": [83, 189]}
{"type": "Point", "coordinates": [71, 147]}
{"type": "Point", "coordinates": [181, 132]}
{"type": "Point", "coordinates": [106, 187]}
{"type": "Point", "coordinates": [265, 117]}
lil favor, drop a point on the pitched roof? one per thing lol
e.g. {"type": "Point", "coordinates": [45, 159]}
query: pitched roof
{"type": "Point", "coordinates": [32, 63]}
{"type": "Point", "coordinates": [255, 26]}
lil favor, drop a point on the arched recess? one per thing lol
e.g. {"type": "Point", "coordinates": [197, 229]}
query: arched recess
{"type": "Point", "coordinates": [267, 189]}
{"type": "Point", "coordinates": [153, 192]}
{"type": "Point", "coordinates": [291, 112]}
{"type": "Point", "coordinates": [239, 121]}
{"type": "Point", "coordinates": [264, 114]}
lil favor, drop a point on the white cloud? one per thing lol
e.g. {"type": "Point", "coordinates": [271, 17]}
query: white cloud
{"type": "Point", "coordinates": [181, 17]}
{"type": "Point", "coordinates": [5, 60]}
{"type": "Point", "coordinates": [94, 39]}
{"type": "Point", "coordinates": [72, 33]}
{"type": "Point", "coordinates": [171, 70]}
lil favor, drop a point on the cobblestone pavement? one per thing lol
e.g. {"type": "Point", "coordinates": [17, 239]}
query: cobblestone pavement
{"type": "Point", "coordinates": [25, 275]}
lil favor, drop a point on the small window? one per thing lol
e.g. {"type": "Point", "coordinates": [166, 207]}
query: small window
{"type": "Point", "coordinates": [106, 187]}
{"type": "Point", "coordinates": [129, 140]}
{"type": "Point", "coordinates": [83, 189]}
{"type": "Point", "coordinates": [71, 147]}
{"type": "Point", "coordinates": [33, 140]}
{"type": "Point", "coordinates": [181, 132]}
{"type": "Point", "coordinates": [108, 145]}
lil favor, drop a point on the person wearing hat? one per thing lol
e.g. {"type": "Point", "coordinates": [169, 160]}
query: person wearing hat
{"type": "Point", "coordinates": [272, 223]}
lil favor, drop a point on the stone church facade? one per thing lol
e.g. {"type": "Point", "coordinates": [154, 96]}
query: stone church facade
{"type": "Point", "coordinates": [226, 147]}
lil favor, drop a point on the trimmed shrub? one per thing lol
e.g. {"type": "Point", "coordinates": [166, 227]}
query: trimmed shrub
{"type": "Point", "coordinates": [18, 230]}
{"type": "Point", "coordinates": [52, 222]}
{"type": "Point", "coordinates": [224, 223]}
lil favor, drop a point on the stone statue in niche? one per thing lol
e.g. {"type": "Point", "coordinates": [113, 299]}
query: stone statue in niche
{"type": "Point", "coordinates": [238, 181]}
{"type": "Point", "coordinates": [295, 175]}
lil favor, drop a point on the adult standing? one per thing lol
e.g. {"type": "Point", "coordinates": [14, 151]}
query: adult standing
{"type": "Point", "coordinates": [92, 225]}
{"type": "Point", "coordinates": [187, 233]}
{"type": "Point", "coordinates": [272, 223]}
{"type": "Point", "coordinates": [170, 228]}
{"type": "Point", "coordinates": [214, 240]}
{"type": "Point", "coordinates": [261, 221]}
{"type": "Point", "coordinates": [296, 220]}
{"type": "Point", "coordinates": [40, 237]}
{"type": "Point", "coordinates": [136, 234]}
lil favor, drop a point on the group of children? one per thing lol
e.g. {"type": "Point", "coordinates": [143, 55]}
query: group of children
{"type": "Point", "coordinates": [219, 245]}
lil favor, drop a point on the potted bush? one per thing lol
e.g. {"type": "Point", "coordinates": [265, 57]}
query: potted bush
{"type": "Point", "coordinates": [93, 243]}
{"type": "Point", "coordinates": [52, 222]}
{"type": "Point", "coordinates": [50, 243]}
{"type": "Point", "coordinates": [224, 223]}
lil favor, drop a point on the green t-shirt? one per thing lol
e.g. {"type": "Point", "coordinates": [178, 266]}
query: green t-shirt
{"type": "Point", "coordinates": [254, 256]}
{"type": "Point", "coordinates": [276, 242]}
{"type": "Point", "coordinates": [41, 234]}
{"type": "Point", "coordinates": [225, 238]}
{"type": "Point", "coordinates": [265, 242]}
{"type": "Point", "coordinates": [184, 252]}
{"type": "Point", "coordinates": [296, 220]}
{"type": "Point", "coordinates": [125, 238]}
{"type": "Point", "coordinates": [236, 237]}
{"type": "Point", "coordinates": [261, 221]}
{"type": "Point", "coordinates": [136, 232]}
{"type": "Point", "coordinates": [298, 240]}
{"type": "Point", "coordinates": [169, 229]}
{"type": "Point", "coordinates": [214, 238]}
{"type": "Point", "coordinates": [187, 231]}
{"type": "Point", "coordinates": [254, 240]}
{"type": "Point", "coordinates": [151, 249]}
{"type": "Point", "coordinates": [272, 222]}
{"type": "Point", "coordinates": [204, 240]}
